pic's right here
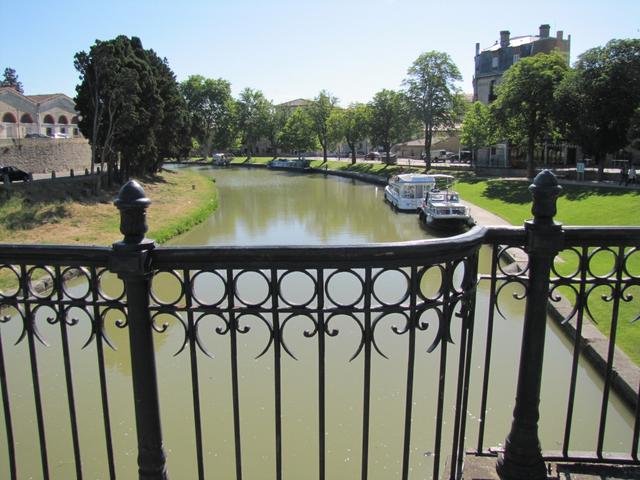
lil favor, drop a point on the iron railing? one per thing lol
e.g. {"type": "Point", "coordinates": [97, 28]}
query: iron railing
{"type": "Point", "coordinates": [241, 292]}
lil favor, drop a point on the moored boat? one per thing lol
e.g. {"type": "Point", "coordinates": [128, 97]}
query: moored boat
{"type": "Point", "coordinates": [297, 164]}
{"type": "Point", "coordinates": [442, 207]}
{"type": "Point", "coordinates": [406, 191]}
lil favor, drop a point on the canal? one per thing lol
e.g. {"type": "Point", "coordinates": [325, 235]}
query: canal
{"type": "Point", "coordinates": [260, 207]}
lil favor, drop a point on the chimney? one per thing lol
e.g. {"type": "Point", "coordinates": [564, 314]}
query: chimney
{"type": "Point", "coordinates": [477, 49]}
{"type": "Point", "coordinates": [504, 38]}
{"type": "Point", "coordinates": [559, 34]}
{"type": "Point", "coordinates": [544, 31]}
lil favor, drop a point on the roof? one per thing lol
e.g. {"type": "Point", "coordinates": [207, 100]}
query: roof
{"type": "Point", "coordinates": [298, 102]}
{"type": "Point", "coordinates": [415, 178]}
{"type": "Point", "coordinates": [35, 99]}
{"type": "Point", "coordinates": [513, 42]}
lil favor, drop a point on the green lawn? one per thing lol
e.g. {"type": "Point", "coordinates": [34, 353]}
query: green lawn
{"type": "Point", "coordinates": [577, 205]}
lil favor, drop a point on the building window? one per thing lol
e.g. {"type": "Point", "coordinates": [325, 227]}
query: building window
{"type": "Point", "coordinates": [516, 57]}
{"type": "Point", "coordinates": [8, 118]}
{"type": "Point", "coordinates": [48, 119]}
{"type": "Point", "coordinates": [63, 120]}
{"type": "Point", "coordinates": [49, 132]}
{"type": "Point", "coordinates": [26, 118]}
{"type": "Point", "coordinates": [494, 62]}
{"type": "Point", "coordinates": [76, 132]}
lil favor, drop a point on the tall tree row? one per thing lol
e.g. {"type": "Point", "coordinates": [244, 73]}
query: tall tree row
{"type": "Point", "coordinates": [129, 102]}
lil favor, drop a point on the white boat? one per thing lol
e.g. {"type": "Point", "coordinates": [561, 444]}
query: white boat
{"type": "Point", "coordinates": [406, 191]}
{"type": "Point", "coordinates": [299, 164]}
{"type": "Point", "coordinates": [441, 206]}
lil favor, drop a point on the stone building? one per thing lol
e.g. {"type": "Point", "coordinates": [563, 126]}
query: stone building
{"type": "Point", "coordinates": [493, 61]}
{"type": "Point", "coordinates": [53, 115]}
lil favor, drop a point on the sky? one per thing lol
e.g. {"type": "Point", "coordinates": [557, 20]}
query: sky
{"type": "Point", "coordinates": [292, 49]}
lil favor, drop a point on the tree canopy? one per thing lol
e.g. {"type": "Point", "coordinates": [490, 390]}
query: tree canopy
{"type": "Point", "coordinates": [389, 120]}
{"type": "Point", "coordinates": [352, 125]}
{"type": "Point", "coordinates": [10, 79]}
{"type": "Point", "coordinates": [128, 102]}
{"type": "Point", "coordinates": [298, 133]}
{"type": "Point", "coordinates": [319, 112]}
{"type": "Point", "coordinates": [253, 117]}
{"type": "Point", "coordinates": [598, 102]}
{"type": "Point", "coordinates": [434, 98]}
{"type": "Point", "coordinates": [524, 106]}
{"type": "Point", "coordinates": [478, 129]}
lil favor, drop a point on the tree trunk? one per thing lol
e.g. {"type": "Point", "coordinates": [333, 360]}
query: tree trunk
{"type": "Point", "coordinates": [601, 160]}
{"type": "Point", "coordinates": [324, 152]}
{"type": "Point", "coordinates": [530, 160]}
{"type": "Point", "coordinates": [353, 156]}
{"type": "Point", "coordinates": [427, 148]}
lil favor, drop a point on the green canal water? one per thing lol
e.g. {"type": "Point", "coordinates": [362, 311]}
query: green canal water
{"type": "Point", "coordinates": [278, 208]}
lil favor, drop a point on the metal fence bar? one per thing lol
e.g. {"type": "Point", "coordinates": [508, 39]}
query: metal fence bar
{"type": "Point", "coordinates": [277, 369]}
{"type": "Point", "coordinates": [366, 401]}
{"type": "Point", "coordinates": [29, 318]}
{"type": "Point", "coordinates": [617, 291]}
{"type": "Point", "coordinates": [62, 320]}
{"type": "Point", "coordinates": [98, 327]}
{"type": "Point", "coordinates": [233, 341]}
{"type": "Point", "coordinates": [576, 350]}
{"type": "Point", "coordinates": [321, 377]}
{"type": "Point", "coordinates": [488, 347]}
{"type": "Point", "coordinates": [195, 381]}
{"type": "Point", "coordinates": [411, 356]}
{"type": "Point", "coordinates": [11, 447]}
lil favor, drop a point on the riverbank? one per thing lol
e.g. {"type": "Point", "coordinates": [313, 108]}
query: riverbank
{"type": "Point", "coordinates": [67, 216]}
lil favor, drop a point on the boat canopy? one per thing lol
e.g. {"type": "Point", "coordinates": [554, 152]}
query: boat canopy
{"type": "Point", "coordinates": [413, 178]}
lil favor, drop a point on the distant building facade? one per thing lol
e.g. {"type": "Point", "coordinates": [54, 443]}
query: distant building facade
{"type": "Point", "coordinates": [493, 61]}
{"type": "Point", "coordinates": [37, 114]}
{"type": "Point", "coordinates": [490, 65]}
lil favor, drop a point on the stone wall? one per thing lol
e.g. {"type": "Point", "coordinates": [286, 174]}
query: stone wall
{"type": "Point", "coordinates": [43, 155]}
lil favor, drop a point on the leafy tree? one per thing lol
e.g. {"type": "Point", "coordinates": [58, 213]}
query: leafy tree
{"type": "Point", "coordinates": [276, 120]}
{"type": "Point", "coordinates": [253, 115]}
{"type": "Point", "coordinates": [598, 103]}
{"type": "Point", "coordinates": [478, 129]}
{"type": "Point", "coordinates": [352, 124]}
{"type": "Point", "coordinates": [389, 120]}
{"type": "Point", "coordinates": [212, 111]}
{"type": "Point", "coordinates": [319, 112]}
{"type": "Point", "coordinates": [124, 95]}
{"type": "Point", "coordinates": [10, 79]}
{"type": "Point", "coordinates": [298, 133]}
{"type": "Point", "coordinates": [434, 98]}
{"type": "Point", "coordinates": [524, 106]}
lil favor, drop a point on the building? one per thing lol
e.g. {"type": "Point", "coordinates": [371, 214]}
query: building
{"type": "Point", "coordinates": [53, 115]}
{"type": "Point", "coordinates": [493, 61]}
{"type": "Point", "coordinates": [490, 65]}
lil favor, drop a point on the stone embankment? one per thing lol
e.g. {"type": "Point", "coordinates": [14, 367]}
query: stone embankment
{"type": "Point", "coordinates": [44, 155]}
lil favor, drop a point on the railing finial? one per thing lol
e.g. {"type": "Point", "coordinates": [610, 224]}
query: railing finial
{"type": "Point", "coordinates": [132, 203]}
{"type": "Point", "coordinates": [545, 191]}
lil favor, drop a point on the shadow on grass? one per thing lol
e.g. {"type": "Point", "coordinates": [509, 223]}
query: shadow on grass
{"type": "Point", "coordinates": [34, 215]}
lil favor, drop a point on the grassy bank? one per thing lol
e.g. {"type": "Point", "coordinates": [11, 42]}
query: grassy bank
{"type": "Point", "coordinates": [48, 215]}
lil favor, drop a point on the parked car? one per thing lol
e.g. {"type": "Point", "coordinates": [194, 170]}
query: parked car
{"type": "Point", "coordinates": [60, 135]}
{"type": "Point", "coordinates": [372, 156]}
{"type": "Point", "coordinates": [35, 135]}
{"type": "Point", "coordinates": [14, 174]}
{"type": "Point", "coordinates": [465, 155]}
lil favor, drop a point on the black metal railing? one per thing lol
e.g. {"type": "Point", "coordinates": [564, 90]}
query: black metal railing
{"type": "Point", "coordinates": [410, 290]}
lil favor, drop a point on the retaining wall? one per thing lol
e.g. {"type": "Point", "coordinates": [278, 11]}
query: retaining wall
{"type": "Point", "coordinates": [43, 155]}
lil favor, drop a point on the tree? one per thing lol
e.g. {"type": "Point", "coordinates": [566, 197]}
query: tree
{"type": "Point", "coordinates": [353, 125]}
{"type": "Point", "coordinates": [10, 79]}
{"type": "Point", "coordinates": [212, 111]}
{"type": "Point", "coordinates": [389, 120]}
{"type": "Point", "coordinates": [434, 98]}
{"type": "Point", "coordinates": [524, 105]}
{"type": "Point", "coordinates": [598, 102]}
{"type": "Point", "coordinates": [253, 115]}
{"type": "Point", "coordinates": [120, 104]}
{"type": "Point", "coordinates": [319, 112]}
{"type": "Point", "coordinates": [477, 128]}
{"type": "Point", "coordinates": [298, 133]}
{"type": "Point", "coordinates": [276, 120]}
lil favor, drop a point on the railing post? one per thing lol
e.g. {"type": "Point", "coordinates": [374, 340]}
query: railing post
{"type": "Point", "coordinates": [131, 261]}
{"type": "Point", "coordinates": [522, 457]}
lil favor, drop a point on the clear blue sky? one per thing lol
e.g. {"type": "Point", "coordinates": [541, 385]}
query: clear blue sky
{"type": "Point", "coordinates": [293, 48]}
